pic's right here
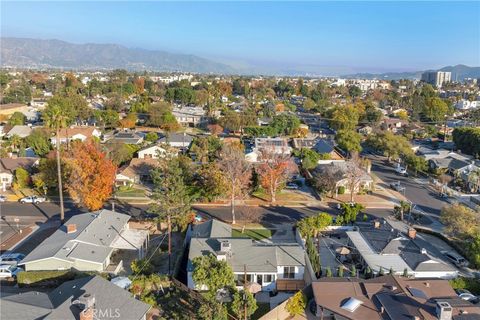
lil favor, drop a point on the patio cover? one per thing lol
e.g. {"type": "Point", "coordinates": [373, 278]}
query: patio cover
{"type": "Point", "coordinates": [130, 239]}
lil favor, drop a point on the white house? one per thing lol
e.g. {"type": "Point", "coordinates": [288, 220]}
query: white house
{"type": "Point", "coordinates": [152, 152]}
{"type": "Point", "coordinates": [76, 133]}
{"type": "Point", "coordinates": [8, 167]}
{"type": "Point", "coordinates": [270, 266]}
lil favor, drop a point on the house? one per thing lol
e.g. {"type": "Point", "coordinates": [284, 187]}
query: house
{"type": "Point", "coordinates": [8, 167]}
{"type": "Point", "coordinates": [364, 182]}
{"type": "Point", "coordinates": [393, 124]}
{"type": "Point", "coordinates": [10, 108]}
{"type": "Point", "coordinates": [87, 298]}
{"type": "Point", "coordinates": [177, 140]}
{"type": "Point", "coordinates": [389, 297]}
{"type": "Point", "coordinates": [380, 246]}
{"type": "Point", "coordinates": [190, 116]}
{"type": "Point", "coordinates": [20, 130]}
{"type": "Point", "coordinates": [126, 137]}
{"type": "Point", "coordinates": [76, 133]}
{"type": "Point", "coordinates": [152, 152]}
{"type": "Point", "coordinates": [38, 103]}
{"type": "Point", "coordinates": [272, 266]}
{"type": "Point", "coordinates": [320, 145]}
{"type": "Point", "coordinates": [136, 172]}
{"type": "Point", "coordinates": [86, 243]}
{"type": "Point", "coordinates": [365, 130]}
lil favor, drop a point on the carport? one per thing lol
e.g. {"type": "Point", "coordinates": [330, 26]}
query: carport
{"type": "Point", "coordinates": [133, 239]}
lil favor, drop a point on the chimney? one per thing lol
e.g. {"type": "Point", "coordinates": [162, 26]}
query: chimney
{"type": "Point", "coordinates": [444, 310]}
{"type": "Point", "coordinates": [71, 228]}
{"type": "Point", "coordinates": [86, 314]}
{"type": "Point", "coordinates": [412, 233]}
{"type": "Point", "coordinates": [376, 224]}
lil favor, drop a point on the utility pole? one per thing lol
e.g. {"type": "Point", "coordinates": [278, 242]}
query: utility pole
{"type": "Point", "coordinates": [245, 291]}
{"type": "Point", "coordinates": [169, 243]}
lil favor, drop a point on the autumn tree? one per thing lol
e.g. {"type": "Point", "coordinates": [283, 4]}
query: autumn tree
{"type": "Point", "coordinates": [354, 174]}
{"type": "Point", "coordinates": [274, 170]}
{"type": "Point", "coordinates": [90, 175]}
{"type": "Point", "coordinates": [460, 221]}
{"type": "Point", "coordinates": [129, 121]}
{"type": "Point", "coordinates": [236, 170]}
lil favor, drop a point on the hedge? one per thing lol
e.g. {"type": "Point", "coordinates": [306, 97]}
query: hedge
{"type": "Point", "coordinates": [50, 278]}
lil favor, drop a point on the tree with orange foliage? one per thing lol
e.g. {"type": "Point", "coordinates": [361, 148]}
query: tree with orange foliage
{"type": "Point", "coordinates": [129, 121]}
{"type": "Point", "coordinates": [274, 170]}
{"type": "Point", "coordinates": [90, 175]}
{"type": "Point", "coordinates": [139, 84]}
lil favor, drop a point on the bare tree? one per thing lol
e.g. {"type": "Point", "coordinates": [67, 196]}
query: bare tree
{"type": "Point", "coordinates": [326, 178]}
{"type": "Point", "coordinates": [274, 170]}
{"type": "Point", "coordinates": [354, 173]}
{"type": "Point", "coordinates": [236, 170]}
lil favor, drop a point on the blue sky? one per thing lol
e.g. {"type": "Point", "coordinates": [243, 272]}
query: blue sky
{"type": "Point", "coordinates": [346, 36]}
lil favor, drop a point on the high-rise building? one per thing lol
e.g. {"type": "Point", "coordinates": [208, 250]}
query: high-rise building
{"type": "Point", "coordinates": [437, 78]}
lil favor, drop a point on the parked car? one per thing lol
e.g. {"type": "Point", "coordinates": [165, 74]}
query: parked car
{"type": "Point", "coordinates": [11, 258]}
{"type": "Point", "coordinates": [33, 199]}
{"type": "Point", "coordinates": [9, 271]}
{"type": "Point", "coordinates": [401, 171]}
{"type": "Point", "coordinates": [3, 198]}
{"type": "Point", "coordinates": [456, 259]}
{"type": "Point", "coordinates": [291, 186]}
{"type": "Point", "coordinates": [467, 296]}
{"type": "Point", "coordinates": [397, 186]}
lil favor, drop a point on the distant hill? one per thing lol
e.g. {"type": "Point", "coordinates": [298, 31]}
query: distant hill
{"type": "Point", "coordinates": [36, 53]}
{"type": "Point", "coordinates": [459, 72]}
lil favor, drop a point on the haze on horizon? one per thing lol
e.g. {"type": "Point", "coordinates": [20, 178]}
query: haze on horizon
{"type": "Point", "coordinates": [315, 37]}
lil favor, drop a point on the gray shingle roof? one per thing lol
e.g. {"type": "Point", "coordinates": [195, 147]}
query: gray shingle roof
{"type": "Point", "coordinates": [95, 232]}
{"type": "Point", "coordinates": [110, 302]}
{"type": "Point", "coordinates": [258, 257]}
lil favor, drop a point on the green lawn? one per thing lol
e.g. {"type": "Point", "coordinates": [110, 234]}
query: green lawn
{"type": "Point", "coordinates": [255, 234]}
{"type": "Point", "coordinates": [262, 309]}
{"type": "Point", "coordinates": [130, 193]}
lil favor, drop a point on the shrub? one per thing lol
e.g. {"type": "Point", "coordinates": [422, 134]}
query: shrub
{"type": "Point", "coordinates": [471, 284]}
{"type": "Point", "coordinates": [296, 304]}
{"type": "Point", "coordinates": [141, 267]}
{"type": "Point", "coordinates": [341, 190]}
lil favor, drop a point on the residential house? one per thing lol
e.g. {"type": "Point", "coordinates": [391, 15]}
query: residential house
{"type": "Point", "coordinates": [38, 103]}
{"type": "Point", "coordinates": [393, 124]}
{"type": "Point", "coordinates": [365, 130]}
{"type": "Point", "coordinates": [178, 140]}
{"type": "Point", "coordinates": [8, 167]}
{"type": "Point", "coordinates": [273, 266]}
{"type": "Point", "coordinates": [275, 145]}
{"type": "Point", "coordinates": [87, 298]}
{"type": "Point", "coordinates": [365, 182]}
{"type": "Point", "coordinates": [380, 246]}
{"type": "Point", "coordinates": [190, 116]}
{"type": "Point", "coordinates": [322, 146]}
{"type": "Point", "coordinates": [75, 133]}
{"type": "Point", "coordinates": [136, 172]}
{"type": "Point", "coordinates": [19, 130]}
{"type": "Point", "coordinates": [86, 242]}
{"type": "Point", "coordinates": [152, 152]}
{"type": "Point", "coordinates": [389, 297]}
{"type": "Point", "coordinates": [10, 108]}
{"type": "Point", "coordinates": [126, 137]}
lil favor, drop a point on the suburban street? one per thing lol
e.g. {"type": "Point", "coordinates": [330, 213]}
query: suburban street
{"type": "Point", "coordinates": [417, 190]}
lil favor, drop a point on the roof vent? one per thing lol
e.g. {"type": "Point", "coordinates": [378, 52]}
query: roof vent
{"type": "Point", "coordinates": [351, 304]}
{"type": "Point", "coordinates": [225, 246]}
{"type": "Point", "coordinates": [423, 251]}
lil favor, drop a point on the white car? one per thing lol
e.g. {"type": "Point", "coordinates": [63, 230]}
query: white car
{"type": "Point", "coordinates": [32, 199]}
{"type": "Point", "coordinates": [9, 271]}
{"type": "Point", "coordinates": [401, 171]}
{"type": "Point", "coordinates": [3, 198]}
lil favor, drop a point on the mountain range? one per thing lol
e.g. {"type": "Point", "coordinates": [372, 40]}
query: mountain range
{"type": "Point", "coordinates": [57, 54]}
{"type": "Point", "coordinates": [35, 53]}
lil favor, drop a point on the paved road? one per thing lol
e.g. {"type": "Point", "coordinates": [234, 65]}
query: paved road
{"type": "Point", "coordinates": [416, 190]}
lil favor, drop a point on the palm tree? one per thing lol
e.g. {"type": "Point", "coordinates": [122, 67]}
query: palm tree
{"type": "Point", "coordinates": [56, 116]}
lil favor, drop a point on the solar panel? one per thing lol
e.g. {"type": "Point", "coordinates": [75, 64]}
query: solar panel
{"type": "Point", "coordinates": [418, 293]}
